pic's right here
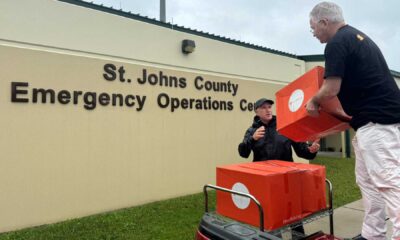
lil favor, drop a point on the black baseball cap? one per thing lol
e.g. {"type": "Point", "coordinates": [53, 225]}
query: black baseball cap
{"type": "Point", "coordinates": [261, 101]}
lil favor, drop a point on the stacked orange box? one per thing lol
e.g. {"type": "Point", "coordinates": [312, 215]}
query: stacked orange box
{"type": "Point", "coordinates": [275, 187]}
{"type": "Point", "coordinates": [292, 118]}
{"type": "Point", "coordinates": [313, 193]}
{"type": "Point", "coordinates": [279, 189]}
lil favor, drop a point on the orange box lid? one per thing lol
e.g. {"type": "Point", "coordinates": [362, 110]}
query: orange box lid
{"type": "Point", "coordinates": [258, 168]}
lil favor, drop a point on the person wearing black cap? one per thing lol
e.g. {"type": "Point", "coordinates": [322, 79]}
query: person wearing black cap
{"type": "Point", "coordinates": [266, 143]}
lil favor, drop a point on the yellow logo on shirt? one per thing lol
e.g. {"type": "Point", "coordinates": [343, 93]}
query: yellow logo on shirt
{"type": "Point", "coordinates": [360, 37]}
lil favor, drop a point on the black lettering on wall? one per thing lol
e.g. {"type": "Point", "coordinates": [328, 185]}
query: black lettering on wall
{"type": "Point", "coordinates": [89, 99]}
{"type": "Point", "coordinates": [175, 103]}
{"type": "Point", "coordinates": [197, 82]}
{"type": "Point", "coordinates": [182, 82]}
{"type": "Point", "coordinates": [76, 95]}
{"type": "Point", "coordinates": [117, 98]}
{"type": "Point", "coordinates": [144, 78]}
{"type": "Point", "coordinates": [163, 100]}
{"type": "Point", "coordinates": [164, 79]}
{"type": "Point", "coordinates": [44, 93]}
{"type": "Point", "coordinates": [109, 70]}
{"type": "Point", "coordinates": [246, 106]}
{"type": "Point", "coordinates": [230, 106]}
{"type": "Point", "coordinates": [104, 99]}
{"type": "Point", "coordinates": [140, 101]}
{"type": "Point", "coordinates": [15, 91]}
{"type": "Point", "coordinates": [130, 100]}
{"type": "Point", "coordinates": [64, 97]}
{"type": "Point", "coordinates": [243, 105]}
{"type": "Point", "coordinates": [121, 72]}
{"type": "Point", "coordinates": [153, 79]}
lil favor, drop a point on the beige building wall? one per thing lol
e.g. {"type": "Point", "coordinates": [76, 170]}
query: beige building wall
{"type": "Point", "coordinates": [311, 65]}
{"type": "Point", "coordinates": [334, 142]}
{"type": "Point", "coordinates": [69, 158]}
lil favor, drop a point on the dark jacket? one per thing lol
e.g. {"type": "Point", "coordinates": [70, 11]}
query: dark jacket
{"type": "Point", "coordinates": [273, 145]}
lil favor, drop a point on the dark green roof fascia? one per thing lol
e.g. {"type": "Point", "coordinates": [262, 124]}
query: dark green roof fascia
{"type": "Point", "coordinates": [130, 15]}
{"type": "Point", "coordinates": [395, 74]}
{"type": "Point", "coordinates": [313, 58]}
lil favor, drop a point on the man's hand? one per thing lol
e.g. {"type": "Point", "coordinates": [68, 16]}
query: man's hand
{"type": "Point", "coordinates": [314, 146]}
{"type": "Point", "coordinates": [312, 108]}
{"type": "Point", "coordinates": [259, 133]}
{"type": "Point", "coordinates": [330, 88]}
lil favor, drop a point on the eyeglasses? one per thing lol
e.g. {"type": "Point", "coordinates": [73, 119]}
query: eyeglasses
{"type": "Point", "coordinates": [313, 30]}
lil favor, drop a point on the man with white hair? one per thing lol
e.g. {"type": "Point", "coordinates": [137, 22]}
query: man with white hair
{"type": "Point", "coordinates": [356, 72]}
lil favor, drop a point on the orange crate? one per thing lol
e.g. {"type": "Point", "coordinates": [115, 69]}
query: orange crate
{"type": "Point", "coordinates": [276, 188]}
{"type": "Point", "coordinates": [313, 192]}
{"type": "Point", "coordinates": [293, 120]}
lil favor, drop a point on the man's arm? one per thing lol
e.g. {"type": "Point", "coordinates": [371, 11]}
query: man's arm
{"type": "Point", "coordinates": [304, 151]}
{"type": "Point", "coordinates": [329, 89]}
{"type": "Point", "coordinates": [245, 146]}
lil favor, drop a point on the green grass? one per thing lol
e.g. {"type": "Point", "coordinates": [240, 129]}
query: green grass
{"type": "Point", "coordinates": [340, 171]}
{"type": "Point", "coordinates": [172, 219]}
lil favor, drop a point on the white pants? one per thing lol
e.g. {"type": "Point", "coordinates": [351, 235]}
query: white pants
{"type": "Point", "coordinates": [377, 149]}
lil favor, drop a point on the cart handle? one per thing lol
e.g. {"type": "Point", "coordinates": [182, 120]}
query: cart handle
{"type": "Point", "coordinates": [260, 209]}
{"type": "Point", "coordinates": [329, 184]}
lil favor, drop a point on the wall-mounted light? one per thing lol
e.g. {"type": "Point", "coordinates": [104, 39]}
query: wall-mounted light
{"type": "Point", "coordinates": [188, 46]}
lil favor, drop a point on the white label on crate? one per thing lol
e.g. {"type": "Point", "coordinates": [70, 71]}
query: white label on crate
{"type": "Point", "coordinates": [239, 201]}
{"type": "Point", "coordinates": [296, 100]}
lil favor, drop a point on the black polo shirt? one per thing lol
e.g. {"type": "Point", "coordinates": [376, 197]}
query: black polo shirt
{"type": "Point", "coordinates": [368, 91]}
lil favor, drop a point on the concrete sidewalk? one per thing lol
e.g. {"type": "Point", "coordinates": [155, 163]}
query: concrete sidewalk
{"type": "Point", "coordinates": [347, 222]}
